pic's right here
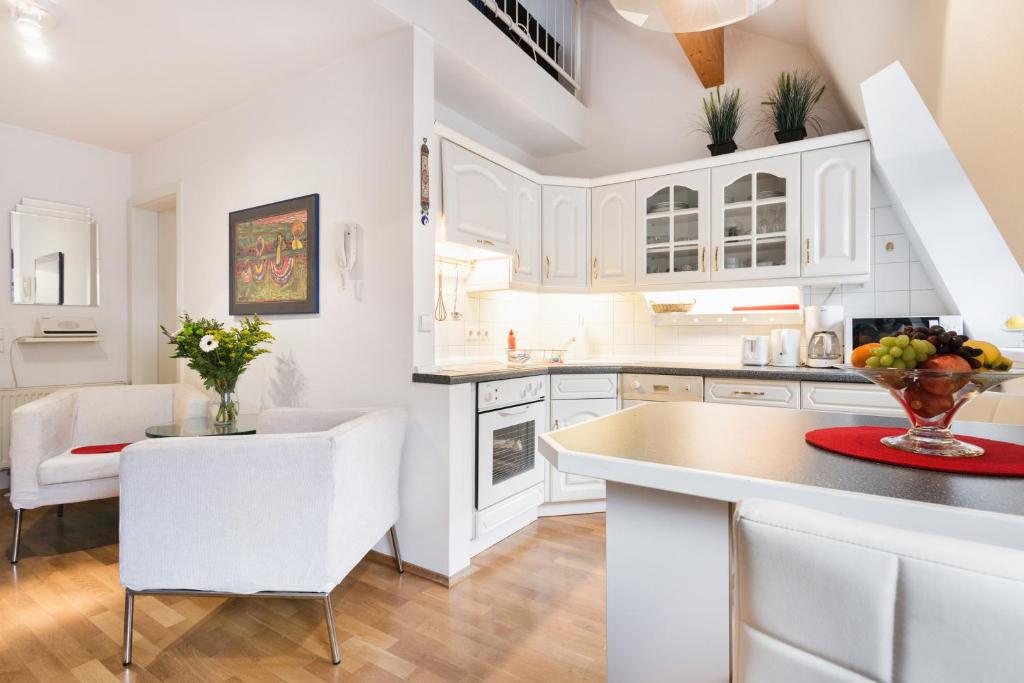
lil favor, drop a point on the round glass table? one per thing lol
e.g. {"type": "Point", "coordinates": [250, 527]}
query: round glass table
{"type": "Point", "coordinates": [202, 426]}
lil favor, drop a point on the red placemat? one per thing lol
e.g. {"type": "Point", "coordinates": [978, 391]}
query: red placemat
{"type": "Point", "coordinates": [1001, 459]}
{"type": "Point", "coordinates": [93, 450]}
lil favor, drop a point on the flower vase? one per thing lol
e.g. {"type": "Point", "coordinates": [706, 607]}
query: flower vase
{"type": "Point", "coordinates": [227, 408]}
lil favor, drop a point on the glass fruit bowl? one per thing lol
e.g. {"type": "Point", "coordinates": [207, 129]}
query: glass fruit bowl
{"type": "Point", "coordinates": [931, 399]}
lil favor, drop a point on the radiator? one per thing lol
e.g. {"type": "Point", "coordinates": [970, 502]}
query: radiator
{"type": "Point", "coordinates": [11, 399]}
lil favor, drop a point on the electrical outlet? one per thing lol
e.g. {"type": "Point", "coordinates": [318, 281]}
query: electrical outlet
{"type": "Point", "coordinates": [477, 333]}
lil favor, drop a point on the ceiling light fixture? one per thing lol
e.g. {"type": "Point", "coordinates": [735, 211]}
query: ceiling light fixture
{"type": "Point", "coordinates": [687, 16]}
{"type": "Point", "coordinates": [29, 27]}
{"type": "Point", "coordinates": [33, 17]}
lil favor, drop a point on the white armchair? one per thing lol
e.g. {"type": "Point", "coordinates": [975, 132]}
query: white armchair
{"type": "Point", "coordinates": [287, 512]}
{"type": "Point", "coordinates": [43, 432]}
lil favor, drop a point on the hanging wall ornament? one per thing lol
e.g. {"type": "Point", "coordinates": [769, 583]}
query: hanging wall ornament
{"type": "Point", "coordinates": [424, 183]}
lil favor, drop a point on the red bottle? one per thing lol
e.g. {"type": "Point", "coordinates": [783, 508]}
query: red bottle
{"type": "Point", "coordinates": [511, 340]}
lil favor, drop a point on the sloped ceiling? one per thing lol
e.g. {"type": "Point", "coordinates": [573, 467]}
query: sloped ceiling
{"type": "Point", "coordinates": [966, 60]}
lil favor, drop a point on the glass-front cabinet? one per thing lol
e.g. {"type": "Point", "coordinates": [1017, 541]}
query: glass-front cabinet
{"type": "Point", "coordinates": [755, 220]}
{"type": "Point", "coordinates": [672, 228]}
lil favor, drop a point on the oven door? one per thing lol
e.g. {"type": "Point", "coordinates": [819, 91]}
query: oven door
{"type": "Point", "coordinates": [507, 460]}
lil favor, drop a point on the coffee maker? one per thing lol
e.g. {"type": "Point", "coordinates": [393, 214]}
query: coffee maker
{"type": "Point", "coordinates": [824, 328]}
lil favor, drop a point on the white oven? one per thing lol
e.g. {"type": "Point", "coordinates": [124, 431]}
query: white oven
{"type": "Point", "coordinates": [511, 414]}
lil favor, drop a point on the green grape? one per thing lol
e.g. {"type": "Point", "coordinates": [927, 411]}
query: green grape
{"type": "Point", "coordinates": [879, 351]}
{"type": "Point", "coordinates": [902, 341]}
{"type": "Point", "coordinates": [886, 360]}
{"type": "Point", "coordinates": [896, 351]}
{"type": "Point", "coordinates": [921, 356]}
{"type": "Point", "coordinates": [919, 345]}
{"type": "Point", "coordinates": [872, 362]}
{"type": "Point", "coordinates": [887, 341]}
{"type": "Point", "coordinates": [909, 361]}
{"type": "Point", "coordinates": [899, 364]}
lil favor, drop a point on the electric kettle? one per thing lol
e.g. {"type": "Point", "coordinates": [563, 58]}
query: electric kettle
{"type": "Point", "coordinates": [824, 350]}
{"type": "Point", "coordinates": [786, 348]}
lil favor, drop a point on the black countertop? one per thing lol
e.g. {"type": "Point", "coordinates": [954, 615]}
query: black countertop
{"type": "Point", "coordinates": [487, 372]}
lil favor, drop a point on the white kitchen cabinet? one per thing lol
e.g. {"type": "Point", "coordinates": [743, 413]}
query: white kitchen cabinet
{"type": "Point", "coordinates": [525, 233]}
{"type": "Point", "coordinates": [565, 413]}
{"type": "Point", "coordinates": [752, 392]}
{"type": "Point", "coordinates": [612, 235]}
{"type": "Point", "coordinates": [839, 397]}
{"type": "Point", "coordinates": [755, 219]}
{"type": "Point", "coordinates": [835, 213]}
{"type": "Point", "coordinates": [565, 242]}
{"type": "Point", "coordinates": [477, 200]}
{"type": "Point", "coordinates": [672, 228]}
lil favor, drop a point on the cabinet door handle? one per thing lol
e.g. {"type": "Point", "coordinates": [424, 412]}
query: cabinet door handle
{"type": "Point", "coordinates": [593, 269]}
{"type": "Point", "coordinates": [515, 261]}
{"type": "Point", "coordinates": [486, 242]}
{"type": "Point", "coordinates": [661, 388]}
{"type": "Point", "coordinates": [703, 258]}
{"type": "Point", "coordinates": [547, 267]}
{"type": "Point", "coordinates": [748, 393]}
{"type": "Point", "coordinates": [716, 259]}
{"type": "Point", "coordinates": [807, 250]}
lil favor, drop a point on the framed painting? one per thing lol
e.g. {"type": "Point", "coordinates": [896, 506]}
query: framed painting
{"type": "Point", "coordinates": [273, 250]}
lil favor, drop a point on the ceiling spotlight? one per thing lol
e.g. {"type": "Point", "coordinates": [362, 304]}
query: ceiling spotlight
{"type": "Point", "coordinates": [29, 27]}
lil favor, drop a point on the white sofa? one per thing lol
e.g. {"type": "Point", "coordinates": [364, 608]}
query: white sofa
{"type": "Point", "coordinates": [286, 512]}
{"type": "Point", "coordinates": [827, 599]}
{"type": "Point", "coordinates": [43, 432]}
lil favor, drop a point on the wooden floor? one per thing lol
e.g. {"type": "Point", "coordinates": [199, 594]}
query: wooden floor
{"type": "Point", "coordinates": [532, 610]}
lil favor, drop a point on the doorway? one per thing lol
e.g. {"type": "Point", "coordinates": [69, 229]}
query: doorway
{"type": "Point", "coordinates": [155, 289]}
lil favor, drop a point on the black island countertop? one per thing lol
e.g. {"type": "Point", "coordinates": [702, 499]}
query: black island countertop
{"type": "Point", "coordinates": [487, 372]}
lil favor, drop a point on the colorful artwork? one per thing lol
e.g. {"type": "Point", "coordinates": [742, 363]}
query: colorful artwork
{"type": "Point", "coordinates": [274, 265]}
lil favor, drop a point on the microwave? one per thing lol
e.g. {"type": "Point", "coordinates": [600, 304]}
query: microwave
{"type": "Point", "coordinates": [866, 330]}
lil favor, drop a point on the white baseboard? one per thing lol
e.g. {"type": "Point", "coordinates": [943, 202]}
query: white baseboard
{"type": "Point", "coordinates": [574, 507]}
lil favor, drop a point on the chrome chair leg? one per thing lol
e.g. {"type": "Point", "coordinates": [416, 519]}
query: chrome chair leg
{"type": "Point", "coordinates": [129, 614]}
{"type": "Point", "coordinates": [331, 633]}
{"type": "Point", "coordinates": [60, 510]}
{"type": "Point", "coordinates": [17, 537]}
{"type": "Point", "coordinates": [398, 552]}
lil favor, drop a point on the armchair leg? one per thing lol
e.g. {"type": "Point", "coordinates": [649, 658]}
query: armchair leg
{"type": "Point", "coordinates": [331, 633]}
{"type": "Point", "coordinates": [17, 537]}
{"type": "Point", "coordinates": [129, 617]}
{"type": "Point", "coordinates": [398, 552]}
{"type": "Point", "coordinates": [60, 510]}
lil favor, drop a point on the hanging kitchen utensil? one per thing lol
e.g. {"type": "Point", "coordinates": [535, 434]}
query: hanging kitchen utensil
{"type": "Point", "coordinates": [439, 312]}
{"type": "Point", "coordinates": [455, 300]}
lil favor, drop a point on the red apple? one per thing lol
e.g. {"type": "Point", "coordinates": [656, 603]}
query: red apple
{"type": "Point", "coordinates": [926, 403]}
{"type": "Point", "coordinates": [940, 385]}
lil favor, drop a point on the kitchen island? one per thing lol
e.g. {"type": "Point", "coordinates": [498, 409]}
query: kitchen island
{"type": "Point", "coordinates": [673, 472]}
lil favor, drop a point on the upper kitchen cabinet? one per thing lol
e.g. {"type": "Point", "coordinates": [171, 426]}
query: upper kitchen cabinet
{"type": "Point", "coordinates": [755, 220]}
{"type": "Point", "coordinates": [673, 228]}
{"type": "Point", "coordinates": [478, 200]}
{"type": "Point", "coordinates": [612, 235]}
{"type": "Point", "coordinates": [836, 205]}
{"type": "Point", "coordinates": [526, 232]}
{"type": "Point", "coordinates": [565, 253]}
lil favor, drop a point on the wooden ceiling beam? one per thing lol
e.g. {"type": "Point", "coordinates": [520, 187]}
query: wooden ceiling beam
{"type": "Point", "coordinates": [706, 52]}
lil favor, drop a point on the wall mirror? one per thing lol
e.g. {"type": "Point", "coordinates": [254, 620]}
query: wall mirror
{"type": "Point", "coordinates": [54, 254]}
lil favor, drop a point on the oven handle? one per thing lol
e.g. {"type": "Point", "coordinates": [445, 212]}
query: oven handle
{"type": "Point", "coordinates": [514, 411]}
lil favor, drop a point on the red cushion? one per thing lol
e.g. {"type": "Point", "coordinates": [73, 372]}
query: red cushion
{"type": "Point", "coordinates": [107, 448]}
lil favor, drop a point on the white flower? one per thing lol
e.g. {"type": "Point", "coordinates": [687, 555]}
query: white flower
{"type": "Point", "coordinates": [208, 343]}
{"type": "Point", "coordinates": [181, 331]}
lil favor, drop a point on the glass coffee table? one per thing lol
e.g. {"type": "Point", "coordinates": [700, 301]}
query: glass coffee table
{"type": "Point", "coordinates": [203, 426]}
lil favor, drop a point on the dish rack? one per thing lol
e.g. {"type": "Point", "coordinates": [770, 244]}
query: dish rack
{"type": "Point", "coordinates": [684, 307]}
{"type": "Point", "coordinates": [535, 356]}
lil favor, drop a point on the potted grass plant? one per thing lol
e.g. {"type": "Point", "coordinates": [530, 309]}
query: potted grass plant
{"type": "Point", "coordinates": [219, 355]}
{"type": "Point", "coordinates": [790, 105]}
{"type": "Point", "coordinates": [722, 117]}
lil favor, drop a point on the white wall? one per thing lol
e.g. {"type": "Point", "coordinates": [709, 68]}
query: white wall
{"type": "Point", "coordinates": [643, 96]}
{"type": "Point", "coordinates": [45, 167]}
{"type": "Point", "coordinates": [350, 132]}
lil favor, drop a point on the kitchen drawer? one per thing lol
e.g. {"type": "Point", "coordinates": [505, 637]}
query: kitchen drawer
{"type": "Point", "coordinates": [584, 386]}
{"type": "Point", "coordinates": [835, 397]}
{"type": "Point", "coordinates": [752, 392]}
{"type": "Point", "coordinates": [638, 387]}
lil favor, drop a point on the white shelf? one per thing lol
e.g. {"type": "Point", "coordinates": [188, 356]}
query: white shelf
{"type": "Point", "coordinates": [57, 340]}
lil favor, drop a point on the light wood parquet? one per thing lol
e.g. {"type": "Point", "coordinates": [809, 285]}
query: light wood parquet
{"type": "Point", "coordinates": [532, 609]}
